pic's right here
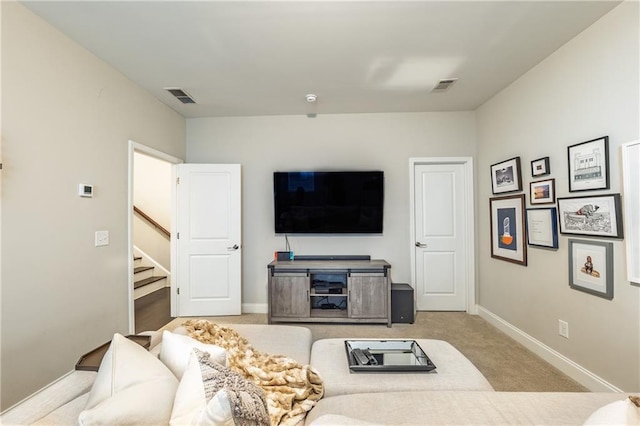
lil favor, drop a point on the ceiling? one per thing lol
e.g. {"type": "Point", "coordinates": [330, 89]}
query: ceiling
{"type": "Point", "coordinates": [240, 58]}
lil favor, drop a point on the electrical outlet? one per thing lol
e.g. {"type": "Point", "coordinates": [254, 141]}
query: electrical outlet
{"type": "Point", "coordinates": [563, 329]}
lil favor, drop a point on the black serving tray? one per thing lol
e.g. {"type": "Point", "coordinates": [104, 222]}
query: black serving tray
{"type": "Point", "coordinates": [390, 356]}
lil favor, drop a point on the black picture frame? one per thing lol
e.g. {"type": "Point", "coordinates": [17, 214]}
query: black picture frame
{"type": "Point", "coordinates": [542, 192]}
{"type": "Point", "coordinates": [588, 165]}
{"type": "Point", "coordinates": [596, 216]}
{"type": "Point", "coordinates": [542, 227]}
{"type": "Point", "coordinates": [540, 167]}
{"type": "Point", "coordinates": [508, 229]}
{"type": "Point", "coordinates": [506, 176]}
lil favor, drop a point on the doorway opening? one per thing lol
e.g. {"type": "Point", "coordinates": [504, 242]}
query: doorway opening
{"type": "Point", "coordinates": [149, 235]}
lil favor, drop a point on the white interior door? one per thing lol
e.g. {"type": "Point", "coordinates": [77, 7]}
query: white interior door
{"type": "Point", "coordinates": [443, 242]}
{"type": "Point", "coordinates": [208, 244]}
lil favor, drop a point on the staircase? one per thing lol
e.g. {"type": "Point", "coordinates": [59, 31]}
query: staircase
{"type": "Point", "coordinates": [144, 279]}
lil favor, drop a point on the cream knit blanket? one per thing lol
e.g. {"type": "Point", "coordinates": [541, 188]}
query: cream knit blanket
{"type": "Point", "coordinates": [291, 388]}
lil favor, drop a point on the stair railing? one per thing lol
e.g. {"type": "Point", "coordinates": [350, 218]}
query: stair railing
{"type": "Point", "coordinates": [152, 222]}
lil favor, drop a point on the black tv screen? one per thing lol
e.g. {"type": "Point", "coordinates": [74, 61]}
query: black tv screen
{"type": "Point", "coordinates": [348, 202]}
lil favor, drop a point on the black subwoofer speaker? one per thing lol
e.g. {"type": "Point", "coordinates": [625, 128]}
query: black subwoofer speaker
{"type": "Point", "coordinates": [402, 303]}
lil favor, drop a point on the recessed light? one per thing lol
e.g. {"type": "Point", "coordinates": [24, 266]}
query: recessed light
{"type": "Point", "coordinates": [311, 98]}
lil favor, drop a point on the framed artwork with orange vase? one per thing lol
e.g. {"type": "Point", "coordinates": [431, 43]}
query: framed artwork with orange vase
{"type": "Point", "coordinates": [508, 231]}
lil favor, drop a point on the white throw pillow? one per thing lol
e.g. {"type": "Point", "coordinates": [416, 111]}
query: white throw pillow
{"type": "Point", "coordinates": [176, 349]}
{"type": "Point", "coordinates": [616, 413]}
{"type": "Point", "coordinates": [132, 387]}
{"type": "Point", "coordinates": [191, 407]}
{"type": "Point", "coordinates": [205, 393]}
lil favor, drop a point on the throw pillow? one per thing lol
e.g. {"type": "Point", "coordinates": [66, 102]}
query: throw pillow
{"type": "Point", "coordinates": [210, 393]}
{"type": "Point", "coordinates": [616, 413]}
{"type": "Point", "coordinates": [176, 349]}
{"type": "Point", "coordinates": [132, 387]}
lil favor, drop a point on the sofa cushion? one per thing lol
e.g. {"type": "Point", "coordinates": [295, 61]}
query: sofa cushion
{"type": "Point", "coordinates": [176, 349]}
{"type": "Point", "coordinates": [462, 408]}
{"type": "Point", "coordinates": [64, 415]}
{"type": "Point", "coordinates": [132, 387]}
{"type": "Point", "coordinates": [207, 392]}
{"type": "Point", "coordinates": [454, 371]}
{"type": "Point", "coordinates": [288, 340]}
{"type": "Point", "coordinates": [63, 391]}
{"type": "Point", "coordinates": [621, 413]}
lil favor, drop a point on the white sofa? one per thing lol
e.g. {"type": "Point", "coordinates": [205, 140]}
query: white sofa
{"type": "Point", "coordinates": [61, 402]}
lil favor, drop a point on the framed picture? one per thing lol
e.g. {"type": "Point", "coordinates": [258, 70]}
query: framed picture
{"type": "Point", "coordinates": [508, 233]}
{"type": "Point", "coordinates": [598, 215]}
{"type": "Point", "coordinates": [542, 227]}
{"type": "Point", "coordinates": [591, 267]}
{"type": "Point", "coordinates": [506, 176]}
{"type": "Point", "coordinates": [631, 185]}
{"type": "Point", "coordinates": [589, 165]}
{"type": "Point", "coordinates": [540, 167]}
{"type": "Point", "coordinates": [542, 192]}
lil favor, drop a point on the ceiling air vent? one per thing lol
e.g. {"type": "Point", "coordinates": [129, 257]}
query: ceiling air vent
{"type": "Point", "coordinates": [444, 84]}
{"type": "Point", "coordinates": [181, 95]}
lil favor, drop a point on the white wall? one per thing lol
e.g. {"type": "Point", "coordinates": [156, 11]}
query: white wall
{"type": "Point", "coordinates": [384, 142]}
{"type": "Point", "coordinates": [152, 195]}
{"type": "Point", "coordinates": [587, 89]}
{"type": "Point", "coordinates": [67, 118]}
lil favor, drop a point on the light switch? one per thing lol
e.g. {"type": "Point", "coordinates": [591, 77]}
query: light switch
{"type": "Point", "coordinates": [102, 238]}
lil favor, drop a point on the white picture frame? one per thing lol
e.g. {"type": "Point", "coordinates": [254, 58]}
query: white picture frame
{"type": "Point", "coordinates": [631, 192]}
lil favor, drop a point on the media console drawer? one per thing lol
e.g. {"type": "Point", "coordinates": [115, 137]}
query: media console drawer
{"type": "Point", "coordinates": [330, 290]}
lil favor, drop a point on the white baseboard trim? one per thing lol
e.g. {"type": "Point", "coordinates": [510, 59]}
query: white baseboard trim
{"type": "Point", "coordinates": [578, 373]}
{"type": "Point", "coordinates": [254, 308]}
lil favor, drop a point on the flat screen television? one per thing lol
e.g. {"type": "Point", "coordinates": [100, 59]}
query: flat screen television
{"type": "Point", "coordinates": [338, 202]}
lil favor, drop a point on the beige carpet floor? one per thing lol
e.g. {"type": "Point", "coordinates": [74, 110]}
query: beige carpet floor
{"type": "Point", "coordinates": [506, 364]}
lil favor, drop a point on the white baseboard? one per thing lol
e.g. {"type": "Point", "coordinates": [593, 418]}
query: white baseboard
{"type": "Point", "coordinates": [254, 308]}
{"type": "Point", "coordinates": [578, 373]}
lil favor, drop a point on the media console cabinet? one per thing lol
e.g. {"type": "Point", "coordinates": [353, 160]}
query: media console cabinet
{"type": "Point", "coordinates": [329, 291]}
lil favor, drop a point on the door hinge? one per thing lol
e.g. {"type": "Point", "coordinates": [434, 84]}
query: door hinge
{"type": "Point", "coordinates": [178, 290]}
{"type": "Point", "coordinates": [177, 235]}
{"type": "Point", "coordinates": [177, 181]}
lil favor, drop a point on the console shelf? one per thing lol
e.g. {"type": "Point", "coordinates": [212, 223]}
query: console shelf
{"type": "Point", "coordinates": [349, 291]}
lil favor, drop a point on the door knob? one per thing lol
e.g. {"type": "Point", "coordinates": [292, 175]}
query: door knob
{"type": "Point", "coordinates": [234, 247]}
{"type": "Point", "coordinates": [419, 244]}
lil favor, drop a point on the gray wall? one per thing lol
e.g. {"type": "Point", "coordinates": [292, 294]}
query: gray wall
{"type": "Point", "coordinates": [587, 89]}
{"type": "Point", "coordinates": [350, 141]}
{"type": "Point", "coordinates": [66, 119]}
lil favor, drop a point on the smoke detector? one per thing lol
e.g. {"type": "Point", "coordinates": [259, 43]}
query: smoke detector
{"type": "Point", "coordinates": [444, 84]}
{"type": "Point", "coordinates": [311, 98]}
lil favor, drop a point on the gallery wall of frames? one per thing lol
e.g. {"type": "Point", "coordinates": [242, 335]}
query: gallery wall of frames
{"type": "Point", "coordinates": [590, 220]}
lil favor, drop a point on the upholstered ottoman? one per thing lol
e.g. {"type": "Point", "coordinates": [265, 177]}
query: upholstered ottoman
{"type": "Point", "coordinates": [454, 371]}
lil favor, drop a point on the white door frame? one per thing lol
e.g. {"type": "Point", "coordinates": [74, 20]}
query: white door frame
{"type": "Point", "coordinates": [470, 272]}
{"type": "Point", "coordinates": [133, 148]}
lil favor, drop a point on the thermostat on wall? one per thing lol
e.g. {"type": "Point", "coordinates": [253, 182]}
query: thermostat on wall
{"type": "Point", "coordinates": [85, 190]}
